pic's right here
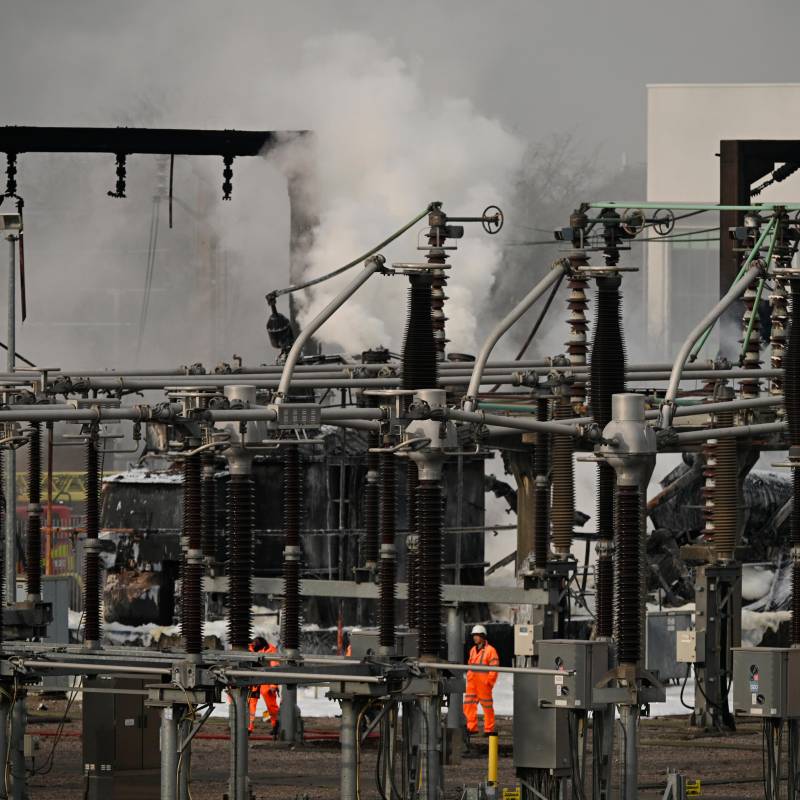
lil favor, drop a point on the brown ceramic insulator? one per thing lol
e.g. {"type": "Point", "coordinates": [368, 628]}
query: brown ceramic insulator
{"type": "Point", "coordinates": [241, 513]}
{"type": "Point", "coordinates": [562, 501]}
{"type": "Point", "coordinates": [387, 576]}
{"type": "Point", "coordinates": [577, 347]}
{"type": "Point", "coordinates": [430, 511]}
{"type": "Point", "coordinates": [91, 580]}
{"type": "Point", "coordinates": [541, 491]}
{"type": "Point", "coordinates": [369, 550]}
{"type": "Point", "coordinates": [420, 365]}
{"type": "Point", "coordinates": [628, 564]}
{"type": "Point", "coordinates": [33, 544]}
{"type": "Point", "coordinates": [726, 490]}
{"type": "Point", "coordinates": [292, 510]}
{"type": "Point", "coordinates": [192, 577]}
{"type": "Point", "coordinates": [208, 507]}
{"type": "Point", "coordinates": [752, 354]}
{"type": "Point", "coordinates": [412, 544]}
{"type": "Point", "coordinates": [438, 257]}
{"type": "Point", "coordinates": [604, 580]}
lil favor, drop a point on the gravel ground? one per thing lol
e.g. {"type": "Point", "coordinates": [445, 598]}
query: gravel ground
{"type": "Point", "coordinates": [281, 772]}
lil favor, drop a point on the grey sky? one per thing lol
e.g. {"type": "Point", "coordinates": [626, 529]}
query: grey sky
{"type": "Point", "coordinates": [538, 66]}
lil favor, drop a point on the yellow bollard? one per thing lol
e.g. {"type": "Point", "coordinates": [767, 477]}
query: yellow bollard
{"type": "Point", "coordinates": [491, 771]}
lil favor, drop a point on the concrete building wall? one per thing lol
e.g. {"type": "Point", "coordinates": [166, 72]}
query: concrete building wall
{"type": "Point", "coordinates": [685, 124]}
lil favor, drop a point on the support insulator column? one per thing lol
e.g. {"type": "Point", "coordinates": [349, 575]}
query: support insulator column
{"type": "Point", "coordinates": [34, 538]}
{"type": "Point", "coordinates": [412, 545]}
{"type": "Point", "coordinates": [369, 554]}
{"type": "Point", "coordinates": [192, 578]}
{"type": "Point", "coordinates": [387, 578]}
{"type": "Point", "coordinates": [241, 502]}
{"type": "Point", "coordinates": [792, 402]}
{"type": "Point", "coordinates": [437, 255]}
{"type": "Point", "coordinates": [628, 563]}
{"type": "Point", "coordinates": [292, 505]}
{"type": "Point", "coordinates": [541, 491]}
{"type": "Point", "coordinates": [724, 511]}
{"type": "Point", "coordinates": [607, 373]}
{"type": "Point", "coordinates": [91, 579]}
{"type": "Point", "coordinates": [208, 508]}
{"type": "Point", "coordinates": [430, 510]}
{"type": "Point", "coordinates": [562, 513]}
{"type": "Point", "coordinates": [751, 357]}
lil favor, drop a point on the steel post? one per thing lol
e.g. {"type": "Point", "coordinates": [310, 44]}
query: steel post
{"type": "Point", "coordinates": [185, 761]}
{"type": "Point", "coordinates": [289, 714]}
{"type": "Point", "coordinates": [169, 754]}
{"type": "Point", "coordinates": [5, 709]}
{"type": "Point", "coordinates": [431, 725]}
{"type": "Point", "coordinates": [347, 738]}
{"type": "Point", "coordinates": [238, 719]}
{"type": "Point", "coordinates": [629, 766]}
{"type": "Point", "coordinates": [19, 720]}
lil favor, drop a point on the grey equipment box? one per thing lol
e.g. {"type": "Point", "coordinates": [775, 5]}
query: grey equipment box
{"type": "Point", "coordinates": [365, 642]}
{"type": "Point", "coordinates": [541, 735]}
{"type": "Point", "coordinates": [121, 756]}
{"type": "Point", "coordinates": [662, 640]}
{"type": "Point", "coordinates": [589, 659]}
{"type": "Point", "coordinates": [766, 681]}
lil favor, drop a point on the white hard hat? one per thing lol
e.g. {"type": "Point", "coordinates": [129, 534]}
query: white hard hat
{"type": "Point", "coordinates": [478, 629]}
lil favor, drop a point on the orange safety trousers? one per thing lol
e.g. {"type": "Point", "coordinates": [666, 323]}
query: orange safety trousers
{"type": "Point", "coordinates": [479, 689]}
{"type": "Point", "coordinates": [270, 694]}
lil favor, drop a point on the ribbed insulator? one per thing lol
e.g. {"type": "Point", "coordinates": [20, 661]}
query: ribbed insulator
{"type": "Point", "coordinates": [208, 507]}
{"type": "Point", "coordinates": [412, 568]}
{"type": "Point", "coordinates": [791, 375]}
{"type": "Point", "coordinates": [795, 525]}
{"type": "Point", "coordinates": [292, 510]}
{"type": "Point", "coordinates": [628, 564]}
{"type": "Point", "coordinates": [709, 454]}
{"type": "Point", "coordinates": [541, 490]}
{"type": "Point", "coordinates": [779, 321]}
{"type": "Point", "coordinates": [604, 575]}
{"type": "Point", "coordinates": [91, 581]}
{"type": "Point", "coordinates": [751, 357]}
{"type": "Point", "coordinates": [412, 544]}
{"type": "Point", "coordinates": [791, 391]}
{"type": "Point", "coordinates": [607, 368]}
{"type": "Point", "coordinates": [430, 510]}
{"type": "Point", "coordinates": [192, 577]}
{"type": "Point", "coordinates": [420, 365]}
{"type": "Point", "coordinates": [438, 256]}
{"type": "Point", "coordinates": [387, 576]}
{"type": "Point", "coordinates": [562, 503]}
{"type": "Point", "coordinates": [2, 524]}
{"type": "Point", "coordinates": [726, 490]}
{"type": "Point", "coordinates": [369, 553]}
{"type": "Point", "coordinates": [241, 511]}
{"type": "Point", "coordinates": [578, 326]}
{"type": "Point", "coordinates": [34, 537]}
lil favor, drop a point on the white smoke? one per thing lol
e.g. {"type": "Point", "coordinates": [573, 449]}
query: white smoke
{"type": "Point", "coordinates": [384, 147]}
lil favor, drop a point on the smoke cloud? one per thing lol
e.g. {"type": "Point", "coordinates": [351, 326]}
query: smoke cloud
{"type": "Point", "coordinates": [385, 146]}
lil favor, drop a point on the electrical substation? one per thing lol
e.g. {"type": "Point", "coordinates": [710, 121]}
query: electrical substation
{"type": "Point", "coordinates": [345, 494]}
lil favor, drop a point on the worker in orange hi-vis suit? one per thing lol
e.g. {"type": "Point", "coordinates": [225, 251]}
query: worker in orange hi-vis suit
{"type": "Point", "coordinates": [269, 691]}
{"type": "Point", "coordinates": [480, 684]}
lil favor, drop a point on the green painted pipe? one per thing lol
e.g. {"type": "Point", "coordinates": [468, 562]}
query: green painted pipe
{"type": "Point", "coordinates": [753, 253]}
{"type": "Point", "coordinates": [693, 206]}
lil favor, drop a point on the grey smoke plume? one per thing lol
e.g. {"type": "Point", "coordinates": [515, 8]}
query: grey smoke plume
{"type": "Point", "coordinates": [384, 146]}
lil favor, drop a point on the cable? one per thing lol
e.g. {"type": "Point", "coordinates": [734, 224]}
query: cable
{"type": "Point", "coordinates": [683, 687]}
{"type": "Point", "coordinates": [296, 287]}
{"type": "Point", "coordinates": [47, 766]}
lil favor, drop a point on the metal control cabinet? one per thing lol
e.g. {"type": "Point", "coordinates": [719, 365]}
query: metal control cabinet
{"type": "Point", "coordinates": [589, 659]}
{"type": "Point", "coordinates": [766, 681]}
{"type": "Point", "coordinates": [541, 735]}
{"type": "Point", "coordinates": [365, 643]}
{"type": "Point", "coordinates": [662, 631]}
{"type": "Point", "coordinates": [523, 640]}
{"type": "Point", "coordinates": [121, 756]}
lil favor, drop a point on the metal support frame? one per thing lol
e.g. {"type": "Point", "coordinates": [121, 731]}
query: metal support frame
{"type": "Point", "coordinates": [718, 615]}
